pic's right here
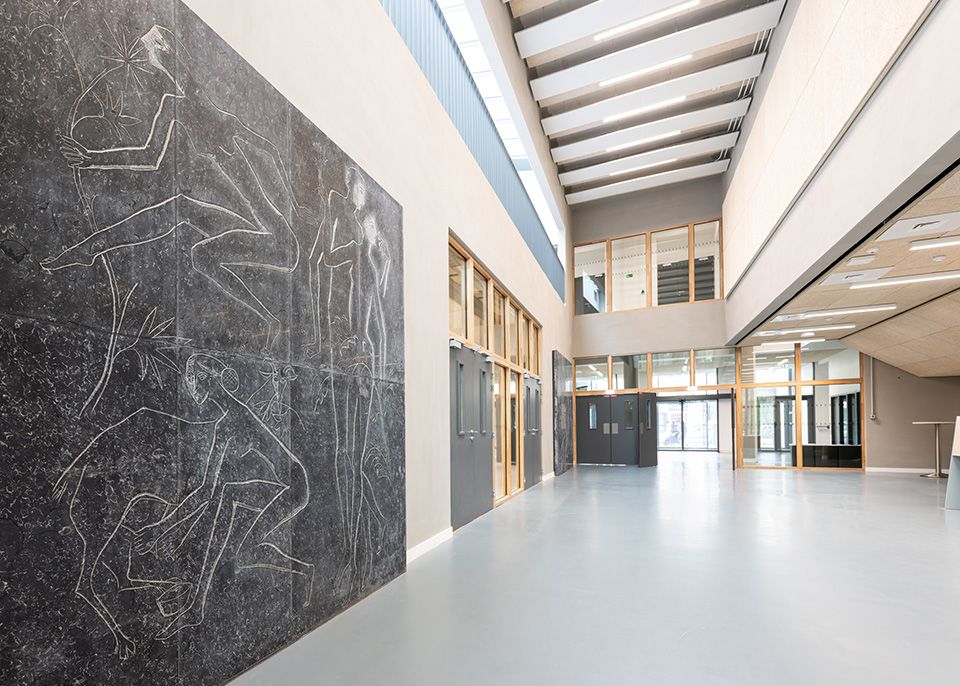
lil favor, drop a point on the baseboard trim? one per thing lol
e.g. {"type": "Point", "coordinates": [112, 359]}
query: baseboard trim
{"type": "Point", "coordinates": [548, 475]}
{"type": "Point", "coordinates": [429, 544]}
{"type": "Point", "coordinates": [903, 470]}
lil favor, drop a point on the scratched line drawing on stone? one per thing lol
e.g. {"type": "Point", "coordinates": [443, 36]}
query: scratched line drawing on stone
{"type": "Point", "coordinates": [213, 328]}
{"type": "Point", "coordinates": [247, 468]}
{"type": "Point", "coordinates": [244, 229]}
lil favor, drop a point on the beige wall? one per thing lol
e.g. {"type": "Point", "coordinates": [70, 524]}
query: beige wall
{"type": "Point", "coordinates": [894, 146]}
{"type": "Point", "coordinates": [652, 330]}
{"type": "Point", "coordinates": [830, 55]}
{"type": "Point", "coordinates": [901, 398]}
{"type": "Point", "coordinates": [656, 208]}
{"type": "Point", "coordinates": [343, 65]}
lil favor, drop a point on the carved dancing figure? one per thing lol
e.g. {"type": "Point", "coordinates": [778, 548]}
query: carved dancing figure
{"type": "Point", "coordinates": [237, 219]}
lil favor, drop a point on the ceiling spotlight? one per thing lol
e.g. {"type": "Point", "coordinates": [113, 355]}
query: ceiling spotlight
{"type": "Point", "coordinates": [907, 280]}
{"type": "Point", "coordinates": [641, 141]}
{"type": "Point", "coordinates": [644, 21]}
{"type": "Point", "coordinates": [642, 167]}
{"type": "Point", "coordinates": [645, 70]}
{"type": "Point", "coordinates": [641, 110]}
{"type": "Point", "coordinates": [931, 243]}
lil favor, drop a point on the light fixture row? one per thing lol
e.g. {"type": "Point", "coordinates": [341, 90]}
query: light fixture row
{"type": "Point", "coordinates": [646, 21]}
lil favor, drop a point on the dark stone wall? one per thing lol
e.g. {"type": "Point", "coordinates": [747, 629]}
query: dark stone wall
{"type": "Point", "coordinates": [201, 355]}
{"type": "Point", "coordinates": [562, 413]}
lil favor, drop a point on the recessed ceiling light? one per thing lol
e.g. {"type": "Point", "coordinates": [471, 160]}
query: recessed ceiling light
{"type": "Point", "coordinates": [642, 167]}
{"type": "Point", "coordinates": [860, 261]}
{"type": "Point", "coordinates": [644, 21]}
{"type": "Point", "coordinates": [872, 251]}
{"type": "Point", "coordinates": [931, 243]}
{"type": "Point", "coordinates": [640, 110]}
{"type": "Point", "coordinates": [805, 341]}
{"type": "Point", "coordinates": [907, 280]}
{"type": "Point", "coordinates": [645, 70]}
{"type": "Point", "coordinates": [939, 258]}
{"type": "Point", "coordinates": [808, 334]}
{"type": "Point", "coordinates": [641, 141]}
{"type": "Point", "coordinates": [806, 330]}
{"type": "Point", "coordinates": [838, 312]}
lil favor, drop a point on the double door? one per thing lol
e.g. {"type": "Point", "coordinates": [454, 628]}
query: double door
{"type": "Point", "coordinates": [471, 435]}
{"type": "Point", "coordinates": [617, 430]}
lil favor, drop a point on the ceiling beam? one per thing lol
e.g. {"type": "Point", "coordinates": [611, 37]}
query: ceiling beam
{"type": "Point", "coordinates": [661, 156]}
{"type": "Point", "coordinates": [662, 53]}
{"type": "Point", "coordinates": [585, 22]}
{"type": "Point", "coordinates": [655, 96]}
{"type": "Point", "coordinates": [650, 181]}
{"type": "Point", "coordinates": [660, 129]}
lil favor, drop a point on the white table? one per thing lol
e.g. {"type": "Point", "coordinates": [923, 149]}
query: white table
{"type": "Point", "coordinates": [938, 473]}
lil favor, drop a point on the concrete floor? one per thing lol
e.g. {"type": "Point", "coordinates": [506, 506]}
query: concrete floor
{"type": "Point", "coordinates": [684, 574]}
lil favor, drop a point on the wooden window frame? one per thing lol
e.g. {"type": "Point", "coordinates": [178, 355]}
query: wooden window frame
{"type": "Point", "coordinates": [648, 233]}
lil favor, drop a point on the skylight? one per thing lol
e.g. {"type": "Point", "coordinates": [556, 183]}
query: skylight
{"type": "Point", "coordinates": [465, 35]}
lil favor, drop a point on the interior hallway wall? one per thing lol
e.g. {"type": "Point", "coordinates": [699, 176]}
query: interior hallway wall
{"type": "Point", "coordinates": [342, 63]}
{"type": "Point", "coordinates": [901, 398]}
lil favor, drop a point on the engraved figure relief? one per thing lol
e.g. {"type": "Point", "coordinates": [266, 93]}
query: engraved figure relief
{"type": "Point", "coordinates": [209, 300]}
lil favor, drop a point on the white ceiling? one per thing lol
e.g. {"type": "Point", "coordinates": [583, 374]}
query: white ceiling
{"type": "Point", "coordinates": [636, 94]}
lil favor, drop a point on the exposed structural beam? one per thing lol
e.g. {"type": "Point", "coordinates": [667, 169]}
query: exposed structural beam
{"type": "Point", "coordinates": [591, 20]}
{"type": "Point", "coordinates": [660, 54]}
{"type": "Point", "coordinates": [654, 97]}
{"type": "Point", "coordinates": [658, 130]}
{"type": "Point", "coordinates": [650, 181]}
{"type": "Point", "coordinates": [649, 160]}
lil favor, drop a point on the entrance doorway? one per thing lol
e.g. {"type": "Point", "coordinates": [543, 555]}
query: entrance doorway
{"type": "Point", "coordinates": [686, 424]}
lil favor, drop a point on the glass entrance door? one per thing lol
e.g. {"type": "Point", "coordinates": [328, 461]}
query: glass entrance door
{"type": "Point", "coordinates": [687, 424]}
{"type": "Point", "coordinates": [499, 432]}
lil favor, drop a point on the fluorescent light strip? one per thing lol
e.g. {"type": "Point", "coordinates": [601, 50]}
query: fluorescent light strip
{"type": "Point", "coordinates": [811, 329]}
{"type": "Point", "coordinates": [645, 70]}
{"type": "Point", "coordinates": [641, 141]}
{"type": "Point", "coordinates": [843, 311]}
{"type": "Point", "coordinates": [931, 243]}
{"type": "Point", "coordinates": [642, 167]}
{"type": "Point", "coordinates": [906, 280]}
{"type": "Point", "coordinates": [641, 110]}
{"type": "Point", "coordinates": [644, 21]}
{"type": "Point", "coordinates": [803, 341]}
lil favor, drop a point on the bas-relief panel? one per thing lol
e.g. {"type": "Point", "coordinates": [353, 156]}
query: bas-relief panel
{"type": "Point", "coordinates": [201, 355]}
{"type": "Point", "coordinates": [562, 413]}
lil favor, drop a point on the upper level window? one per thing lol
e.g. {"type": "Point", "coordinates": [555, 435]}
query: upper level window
{"type": "Point", "coordinates": [766, 364]}
{"type": "Point", "coordinates": [706, 261]}
{"type": "Point", "coordinates": [513, 324]}
{"type": "Point", "coordinates": [652, 268]}
{"type": "Point", "coordinates": [458, 292]}
{"type": "Point", "coordinates": [589, 269]}
{"type": "Point", "coordinates": [671, 275]}
{"type": "Point", "coordinates": [628, 261]}
{"type": "Point", "coordinates": [629, 371]}
{"type": "Point", "coordinates": [499, 322]}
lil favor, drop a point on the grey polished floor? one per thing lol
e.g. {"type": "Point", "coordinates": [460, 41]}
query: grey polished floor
{"type": "Point", "coordinates": [684, 574]}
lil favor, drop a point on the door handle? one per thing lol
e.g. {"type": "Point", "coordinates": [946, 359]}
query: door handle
{"type": "Point", "coordinates": [606, 427]}
{"type": "Point", "coordinates": [615, 428]}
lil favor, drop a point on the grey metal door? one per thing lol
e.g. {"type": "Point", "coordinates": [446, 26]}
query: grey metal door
{"type": "Point", "coordinates": [624, 442]}
{"type": "Point", "coordinates": [593, 430]}
{"type": "Point", "coordinates": [471, 440]}
{"type": "Point", "coordinates": [532, 469]}
{"type": "Point", "coordinates": [647, 421]}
